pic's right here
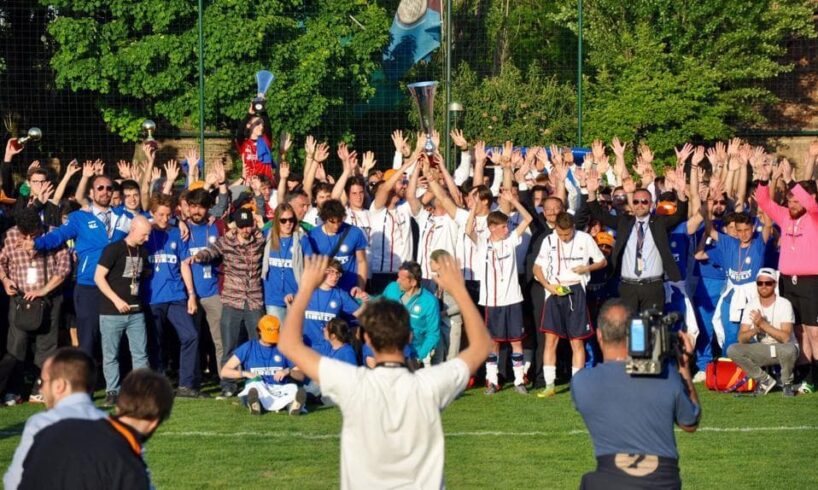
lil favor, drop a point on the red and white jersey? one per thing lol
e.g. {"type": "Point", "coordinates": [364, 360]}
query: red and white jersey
{"type": "Point", "coordinates": [391, 238]}
{"type": "Point", "coordinates": [499, 283]}
{"type": "Point", "coordinates": [436, 232]}
{"type": "Point", "coordinates": [466, 250]}
{"type": "Point", "coordinates": [557, 258]}
{"type": "Point", "coordinates": [514, 220]}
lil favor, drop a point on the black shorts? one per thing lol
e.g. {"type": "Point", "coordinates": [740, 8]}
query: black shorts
{"type": "Point", "coordinates": [505, 323]}
{"type": "Point", "coordinates": [803, 294]}
{"type": "Point", "coordinates": [567, 316]}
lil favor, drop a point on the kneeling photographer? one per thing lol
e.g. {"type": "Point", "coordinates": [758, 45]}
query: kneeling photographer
{"type": "Point", "coordinates": [631, 401]}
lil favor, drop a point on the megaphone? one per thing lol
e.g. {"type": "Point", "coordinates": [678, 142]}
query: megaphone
{"type": "Point", "coordinates": [263, 80]}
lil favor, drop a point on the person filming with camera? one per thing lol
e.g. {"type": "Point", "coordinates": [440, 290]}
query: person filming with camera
{"type": "Point", "coordinates": [630, 418]}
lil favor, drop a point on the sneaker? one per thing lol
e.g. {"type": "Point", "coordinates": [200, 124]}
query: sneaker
{"type": "Point", "coordinates": [547, 392]}
{"type": "Point", "coordinates": [253, 402]}
{"type": "Point", "coordinates": [110, 399]}
{"type": "Point", "coordinates": [298, 403]}
{"type": "Point", "coordinates": [805, 388]}
{"type": "Point", "coordinates": [187, 392]}
{"type": "Point", "coordinates": [789, 391]}
{"type": "Point", "coordinates": [520, 389]}
{"type": "Point", "coordinates": [36, 398]}
{"type": "Point", "coordinates": [225, 394]}
{"type": "Point", "coordinates": [700, 377]}
{"type": "Point", "coordinates": [491, 389]}
{"type": "Point", "coordinates": [765, 386]}
{"type": "Point", "coordinates": [11, 399]}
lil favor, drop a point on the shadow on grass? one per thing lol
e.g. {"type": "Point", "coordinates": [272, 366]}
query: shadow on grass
{"type": "Point", "coordinates": [13, 430]}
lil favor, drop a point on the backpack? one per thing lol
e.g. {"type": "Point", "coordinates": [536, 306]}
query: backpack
{"type": "Point", "coordinates": [726, 376]}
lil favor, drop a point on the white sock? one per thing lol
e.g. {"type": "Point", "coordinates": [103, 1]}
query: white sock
{"type": "Point", "coordinates": [574, 370]}
{"type": "Point", "coordinates": [550, 374]}
{"type": "Point", "coordinates": [491, 373]}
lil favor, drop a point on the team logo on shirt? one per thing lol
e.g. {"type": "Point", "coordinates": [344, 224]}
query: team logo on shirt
{"type": "Point", "coordinates": [344, 248]}
{"type": "Point", "coordinates": [92, 225]}
{"type": "Point", "coordinates": [416, 309]}
{"type": "Point", "coordinates": [333, 304]}
{"type": "Point", "coordinates": [748, 260]}
{"type": "Point", "coordinates": [672, 244]}
{"type": "Point", "coordinates": [277, 358]}
{"type": "Point", "coordinates": [173, 245]}
{"type": "Point", "coordinates": [212, 239]}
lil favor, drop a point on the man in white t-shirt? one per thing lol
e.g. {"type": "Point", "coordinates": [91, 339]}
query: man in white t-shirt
{"type": "Point", "coordinates": [392, 435]}
{"type": "Point", "coordinates": [500, 291]}
{"type": "Point", "coordinates": [563, 267]}
{"type": "Point", "coordinates": [766, 337]}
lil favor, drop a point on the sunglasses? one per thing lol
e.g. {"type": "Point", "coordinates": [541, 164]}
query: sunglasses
{"type": "Point", "coordinates": [101, 188]}
{"type": "Point", "coordinates": [765, 283]}
{"type": "Point", "coordinates": [620, 198]}
{"type": "Point", "coordinates": [287, 220]}
{"type": "Point", "coordinates": [720, 202]}
{"type": "Point", "coordinates": [643, 202]}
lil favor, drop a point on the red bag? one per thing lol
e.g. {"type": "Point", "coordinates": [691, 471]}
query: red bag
{"type": "Point", "coordinates": [724, 375]}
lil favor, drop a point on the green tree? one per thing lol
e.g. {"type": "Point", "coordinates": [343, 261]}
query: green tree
{"type": "Point", "coordinates": [668, 71]}
{"type": "Point", "coordinates": [141, 59]}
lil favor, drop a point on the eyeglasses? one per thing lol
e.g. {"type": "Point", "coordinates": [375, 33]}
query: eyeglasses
{"type": "Point", "coordinates": [643, 202]}
{"type": "Point", "coordinates": [765, 283]}
{"type": "Point", "coordinates": [286, 220]}
{"type": "Point", "coordinates": [101, 188]}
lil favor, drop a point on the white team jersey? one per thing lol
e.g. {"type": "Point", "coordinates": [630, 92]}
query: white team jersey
{"type": "Point", "coordinates": [499, 284]}
{"type": "Point", "coordinates": [311, 217]}
{"type": "Point", "coordinates": [557, 258]}
{"type": "Point", "coordinates": [436, 232]}
{"type": "Point", "coordinates": [391, 238]}
{"type": "Point", "coordinates": [514, 220]}
{"type": "Point", "coordinates": [466, 251]}
{"type": "Point", "coordinates": [361, 219]}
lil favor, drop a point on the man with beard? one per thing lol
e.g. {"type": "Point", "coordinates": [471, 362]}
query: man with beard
{"type": "Point", "coordinates": [798, 263]}
{"type": "Point", "coordinates": [92, 231]}
{"type": "Point", "coordinates": [105, 453]}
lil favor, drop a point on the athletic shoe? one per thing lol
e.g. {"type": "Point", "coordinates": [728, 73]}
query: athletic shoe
{"type": "Point", "coordinates": [765, 386]}
{"type": "Point", "coordinates": [700, 377]}
{"type": "Point", "coordinates": [789, 391]}
{"type": "Point", "coordinates": [253, 402]}
{"type": "Point", "coordinates": [298, 403]}
{"type": "Point", "coordinates": [805, 388]}
{"type": "Point", "coordinates": [547, 392]}
{"type": "Point", "coordinates": [225, 394]}
{"type": "Point", "coordinates": [491, 389]}
{"type": "Point", "coordinates": [187, 392]}
{"type": "Point", "coordinates": [11, 399]}
{"type": "Point", "coordinates": [36, 398]}
{"type": "Point", "coordinates": [520, 389]}
{"type": "Point", "coordinates": [110, 399]}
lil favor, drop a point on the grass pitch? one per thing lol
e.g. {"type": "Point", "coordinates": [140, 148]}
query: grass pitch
{"type": "Point", "coordinates": [504, 441]}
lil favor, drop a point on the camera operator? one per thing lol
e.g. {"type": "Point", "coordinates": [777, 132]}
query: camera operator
{"type": "Point", "coordinates": [630, 418]}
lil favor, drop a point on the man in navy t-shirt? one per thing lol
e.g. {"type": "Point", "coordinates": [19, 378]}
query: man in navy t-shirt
{"type": "Point", "coordinates": [630, 418]}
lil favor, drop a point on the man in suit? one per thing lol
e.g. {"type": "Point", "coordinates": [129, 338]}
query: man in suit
{"type": "Point", "coordinates": [641, 254]}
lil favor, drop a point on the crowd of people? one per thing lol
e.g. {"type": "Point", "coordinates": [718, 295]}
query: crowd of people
{"type": "Point", "coordinates": [199, 273]}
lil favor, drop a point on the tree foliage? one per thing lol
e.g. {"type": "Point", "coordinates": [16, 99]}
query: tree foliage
{"type": "Point", "coordinates": [141, 59]}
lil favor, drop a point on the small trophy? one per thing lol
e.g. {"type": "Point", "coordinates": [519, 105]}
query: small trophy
{"type": "Point", "coordinates": [148, 127]}
{"type": "Point", "coordinates": [263, 80]}
{"type": "Point", "coordinates": [424, 95]}
{"type": "Point", "coordinates": [34, 134]}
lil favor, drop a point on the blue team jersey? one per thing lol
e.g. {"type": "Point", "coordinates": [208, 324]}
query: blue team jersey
{"type": "Point", "coordinates": [319, 243]}
{"type": "Point", "coordinates": [262, 360]}
{"type": "Point", "coordinates": [325, 305]}
{"type": "Point", "coordinates": [166, 251]}
{"type": "Point", "coordinates": [345, 353]}
{"type": "Point", "coordinates": [741, 264]}
{"type": "Point", "coordinates": [680, 247]}
{"type": "Point", "coordinates": [706, 268]}
{"type": "Point", "coordinates": [408, 352]}
{"type": "Point", "coordinates": [280, 279]}
{"type": "Point", "coordinates": [205, 276]}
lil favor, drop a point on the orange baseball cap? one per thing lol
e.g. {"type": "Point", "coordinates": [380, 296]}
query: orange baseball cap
{"type": "Point", "coordinates": [604, 238]}
{"type": "Point", "coordinates": [269, 328]}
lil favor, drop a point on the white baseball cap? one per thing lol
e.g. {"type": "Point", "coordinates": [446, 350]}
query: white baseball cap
{"type": "Point", "coordinates": [769, 272]}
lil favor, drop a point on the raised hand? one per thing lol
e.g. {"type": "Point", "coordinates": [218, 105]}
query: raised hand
{"type": "Point", "coordinates": [480, 151]}
{"type": "Point", "coordinates": [343, 152]}
{"type": "Point", "coordinates": [150, 152]}
{"type": "Point", "coordinates": [603, 165]}
{"type": "Point", "coordinates": [172, 171]}
{"type": "Point", "coordinates": [192, 157]}
{"type": "Point", "coordinates": [556, 155]}
{"type": "Point", "coordinates": [321, 152]}
{"type": "Point", "coordinates": [628, 185]}
{"type": "Point", "coordinates": [592, 182]}
{"type": "Point", "coordinates": [618, 147]}
{"type": "Point", "coordinates": [99, 167]}
{"type": "Point", "coordinates": [12, 149]}
{"type": "Point", "coordinates": [698, 156]}
{"type": "Point", "coordinates": [733, 147]}
{"type": "Point", "coordinates": [683, 154]}
{"type": "Point", "coordinates": [72, 168]}
{"type": "Point", "coordinates": [436, 138]}
{"type": "Point", "coordinates": [285, 142]}
{"type": "Point", "coordinates": [309, 146]}
{"type": "Point", "coordinates": [459, 140]}
{"type": "Point", "coordinates": [400, 142]}
{"type": "Point", "coordinates": [315, 267]}
{"type": "Point", "coordinates": [448, 276]}
{"type": "Point", "coordinates": [786, 170]}
{"type": "Point", "coordinates": [368, 162]}
{"type": "Point", "coordinates": [87, 169]}
{"type": "Point", "coordinates": [597, 150]}
{"type": "Point", "coordinates": [45, 193]}
{"type": "Point", "coordinates": [646, 153]}
{"type": "Point", "coordinates": [124, 169]}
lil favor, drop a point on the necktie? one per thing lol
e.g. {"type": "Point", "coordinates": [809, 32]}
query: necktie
{"type": "Point", "coordinates": [106, 220]}
{"type": "Point", "coordinates": [640, 241]}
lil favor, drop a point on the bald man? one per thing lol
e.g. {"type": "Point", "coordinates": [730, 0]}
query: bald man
{"type": "Point", "coordinates": [120, 270]}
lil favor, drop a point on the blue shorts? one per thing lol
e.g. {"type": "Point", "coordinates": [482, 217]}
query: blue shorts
{"type": "Point", "coordinates": [505, 323]}
{"type": "Point", "coordinates": [567, 316]}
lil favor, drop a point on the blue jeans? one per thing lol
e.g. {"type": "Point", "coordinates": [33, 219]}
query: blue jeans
{"type": "Point", "coordinates": [111, 328]}
{"type": "Point", "coordinates": [704, 301]}
{"type": "Point", "coordinates": [233, 320]}
{"type": "Point", "coordinates": [176, 314]}
{"type": "Point", "coordinates": [86, 306]}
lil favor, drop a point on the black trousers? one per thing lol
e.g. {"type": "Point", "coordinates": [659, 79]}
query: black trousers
{"type": "Point", "coordinates": [640, 297]}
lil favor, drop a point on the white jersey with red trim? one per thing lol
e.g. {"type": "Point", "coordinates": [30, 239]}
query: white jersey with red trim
{"type": "Point", "coordinates": [360, 218]}
{"type": "Point", "coordinates": [391, 238]}
{"type": "Point", "coordinates": [557, 258]}
{"type": "Point", "coordinates": [514, 220]}
{"type": "Point", "coordinates": [466, 250]}
{"type": "Point", "coordinates": [499, 284]}
{"type": "Point", "coordinates": [436, 232]}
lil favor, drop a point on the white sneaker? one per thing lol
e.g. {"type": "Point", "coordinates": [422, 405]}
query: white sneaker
{"type": "Point", "coordinates": [700, 377]}
{"type": "Point", "coordinates": [298, 403]}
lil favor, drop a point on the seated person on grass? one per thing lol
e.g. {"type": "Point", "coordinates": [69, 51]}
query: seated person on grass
{"type": "Point", "coordinates": [270, 376]}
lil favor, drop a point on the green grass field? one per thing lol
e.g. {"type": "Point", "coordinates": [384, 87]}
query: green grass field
{"type": "Point", "coordinates": [504, 441]}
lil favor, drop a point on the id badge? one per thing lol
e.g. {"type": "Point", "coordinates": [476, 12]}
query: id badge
{"type": "Point", "coordinates": [31, 275]}
{"type": "Point", "coordinates": [772, 351]}
{"type": "Point", "coordinates": [207, 271]}
{"type": "Point", "coordinates": [640, 264]}
{"type": "Point", "coordinates": [134, 289]}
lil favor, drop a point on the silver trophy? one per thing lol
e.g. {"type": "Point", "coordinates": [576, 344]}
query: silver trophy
{"type": "Point", "coordinates": [424, 95]}
{"type": "Point", "coordinates": [148, 127]}
{"type": "Point", "coordinates": [34, 134]}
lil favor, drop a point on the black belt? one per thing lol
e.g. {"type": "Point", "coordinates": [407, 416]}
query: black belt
{"type": "Point", "coordinates": [641, 282]}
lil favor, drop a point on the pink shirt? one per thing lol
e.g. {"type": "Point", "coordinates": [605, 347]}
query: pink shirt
{"type": "Point", "coordinates": [799, 255]}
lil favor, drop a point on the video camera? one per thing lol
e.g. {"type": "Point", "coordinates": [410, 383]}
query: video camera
{"type": "Point", "coordinates": [651, 342]}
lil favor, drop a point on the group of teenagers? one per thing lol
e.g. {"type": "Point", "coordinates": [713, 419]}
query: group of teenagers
{"type": "Point", "coordinates": [208, 276]}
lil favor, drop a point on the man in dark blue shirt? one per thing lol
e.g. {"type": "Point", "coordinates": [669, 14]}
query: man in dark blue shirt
{"type": "Point", "coordinates": [631, 418]}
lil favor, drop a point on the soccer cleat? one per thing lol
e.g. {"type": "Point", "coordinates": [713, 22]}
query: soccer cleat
{"type": "Point", "coordinates": [765, 386]}
{"type": "Point", "coordinates": [805, 388]}
{"type": "Point", "coordinates": [547, 392]}
{"type": "Point", "coordinates": [187, 392]}
{"type": "Point", "coordinates": [520, 389]}
{"type": "Point", "coordinates": [789, 391]}
{"type": "Point", "coordinates": [253, 402]}
{"type": "Point", "coordinates": [700, 377]}
{"type": "Point", "coordinates": [491, 389]}
{"type": "Point", "coordinates": [298, 403]}
{"type": "Point", "coordinates": [110, 399]}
